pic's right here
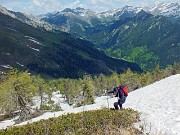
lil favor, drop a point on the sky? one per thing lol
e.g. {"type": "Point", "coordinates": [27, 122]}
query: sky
{"type": "Point", "coordinates": [45, 6]}
{"type": "Point", "coordinates": [157, 103]}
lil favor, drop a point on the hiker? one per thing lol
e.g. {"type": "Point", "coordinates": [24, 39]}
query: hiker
{"type": "Point", "coordinates": [121, 92]}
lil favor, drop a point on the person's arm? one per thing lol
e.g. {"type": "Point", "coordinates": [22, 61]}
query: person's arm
{"type": "Point", "coordinates": [112, 91]}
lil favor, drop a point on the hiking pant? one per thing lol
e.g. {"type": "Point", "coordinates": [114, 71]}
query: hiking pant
{"type": "Point", "coordinates": [120, 102]}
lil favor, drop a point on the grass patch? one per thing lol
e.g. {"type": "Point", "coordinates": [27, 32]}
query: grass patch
{"type": "Point", "coordinates": [89, 122]}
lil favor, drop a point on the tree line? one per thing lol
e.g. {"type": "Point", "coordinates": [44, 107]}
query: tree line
{"type": "Point", "coordinates": [17, 89]}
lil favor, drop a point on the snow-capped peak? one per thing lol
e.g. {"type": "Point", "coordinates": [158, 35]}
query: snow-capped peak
{"type": "Point", "coordinates": [6, 12]}
{"type": "Point", "coordinates": [79, 11]}
{"type": "Point", "coordinates": [130, 10]}
{"type": "Point", "coordinates": [166, 9]}
{"type": "Point", "coordinates": [108, 13]}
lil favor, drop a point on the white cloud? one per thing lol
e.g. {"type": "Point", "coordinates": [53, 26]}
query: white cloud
{"type": "Point", "coordinates": [93, 2]}
{"type": "Point", "coordinates": [44, 6]}
{"type": "Point", "coordinates": [37, 3]}
{"type": "Point", "coordinates": [125, 1]}
{"type": "Point", "coordinates": [97, 2]}
{"type": "Point", "coordinates": [74, 4]}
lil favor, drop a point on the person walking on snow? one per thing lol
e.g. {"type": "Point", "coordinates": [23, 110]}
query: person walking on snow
{"type": "Point", "coordinates": [121, 92]}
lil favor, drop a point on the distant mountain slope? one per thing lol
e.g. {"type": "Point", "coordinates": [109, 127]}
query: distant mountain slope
{"type": "Point", "coordinates": [129, 33]}
{"type": "Point", "coordinates": [170, 10]}
{"type": "Point", "coordinates": [135, 36]}
{"type": "Point", "coordinates": [52, 54]}
{"type": "Point", "coordinates": [144, 39]}
{"type": "Point", "coordinates": [77, 20]}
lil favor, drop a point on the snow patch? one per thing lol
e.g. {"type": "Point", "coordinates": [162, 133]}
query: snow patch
{"type": "Point", "coordinates": [60, 99]}
{"type": "Point", "coordinates": [6, 66]}
{"type": "Point", "coordinates": [126, 27]}
{"type": "Point", "coordinates": [34, 49]}
{"type": "Point", "coordinates": [19, 64]}
{"type": "Point", "coordinates": [33, 40]}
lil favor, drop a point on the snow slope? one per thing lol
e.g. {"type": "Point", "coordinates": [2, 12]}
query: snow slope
{"type": "Point", "coordinates": [158, 103]}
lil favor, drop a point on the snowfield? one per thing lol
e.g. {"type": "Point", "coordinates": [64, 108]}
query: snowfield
{"type": "Point", "coordinates": [158, 104]}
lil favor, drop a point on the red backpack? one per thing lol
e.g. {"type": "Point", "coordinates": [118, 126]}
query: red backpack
{"type": "Point", "coordinates": [125, 90]}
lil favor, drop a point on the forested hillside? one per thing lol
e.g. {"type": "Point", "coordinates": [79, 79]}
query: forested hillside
{"type": "Point", "coordinates": [52, 54]}
{"type": "Point", "coordinates": [144, 37]}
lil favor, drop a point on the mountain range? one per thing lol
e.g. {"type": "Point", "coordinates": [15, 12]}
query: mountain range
{"type": "Point", "coordinates": [147, 36]}
{"type": "Point", "coordinates": [49, 53]}
{"type": "Point", "coordinates": [64, 39]}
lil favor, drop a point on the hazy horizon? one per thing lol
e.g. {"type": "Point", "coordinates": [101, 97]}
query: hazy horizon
{"type": "Point", "coordinates": [46, 6]}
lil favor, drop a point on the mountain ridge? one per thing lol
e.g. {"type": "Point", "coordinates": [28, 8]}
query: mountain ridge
{"type": "Point", "coordinates": [52, 54]}
{"type": "Point", "coordinates": [122, 27]}
{"type": "Point", "coordinates": [117, 33]}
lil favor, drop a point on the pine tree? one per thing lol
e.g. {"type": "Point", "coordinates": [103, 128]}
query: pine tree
{"type": "Point", "coordinates": [16, 90]}
{"type": "Point", "coordinates": [43, 89]}
{"type": "Point", "coordinates": [87, 91]}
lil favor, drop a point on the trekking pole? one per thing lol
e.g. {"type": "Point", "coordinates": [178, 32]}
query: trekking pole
{"type": "Point", "coordinates": [107, 98]}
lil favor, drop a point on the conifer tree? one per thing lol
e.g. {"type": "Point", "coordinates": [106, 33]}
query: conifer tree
{"type": "Point", "coordinates": [157, 73]}
{"type": "Point", "coordinates": [88, 91]}
{"type": "Point", "coordinates": [43, 89]}
{"type": "Point", "coordinates": [16, 90]}
{"type": "Point", "coordinates": [101, 84]}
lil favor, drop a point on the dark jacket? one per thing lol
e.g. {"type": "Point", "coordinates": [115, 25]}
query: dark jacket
{"type": "Point", "coordinates": [120, 94]}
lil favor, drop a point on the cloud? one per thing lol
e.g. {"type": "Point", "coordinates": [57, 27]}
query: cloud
{"type": "Point", "coordinates": [45, 6]}
{"type": "Point", "coordinates": [33, 6]}
{"type": "Point", "coordinates": [75, 4]}
{"type": "Point", "coordinates": [93, 2]}
{"type": "Point", "coordinates": [108, 4]}
{"type": "Point", "coordinates": [98, 2]}
{"type": "Point", "coordinates": [37, 3]}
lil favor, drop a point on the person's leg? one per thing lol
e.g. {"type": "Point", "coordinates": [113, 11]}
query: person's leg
{"type": "Point", "coordinates": [116, 105]}
{"type": "Point", "coordinates": [121, 101]}
{"type": "Point", "coordinates": [120, 106]}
